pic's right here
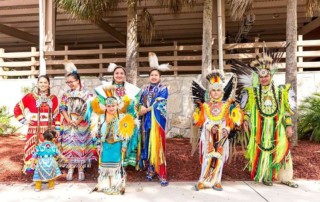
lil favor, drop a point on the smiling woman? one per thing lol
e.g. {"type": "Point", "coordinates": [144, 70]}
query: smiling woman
{"type": "Point", "coordinates": [43, 113]}
{"type": "Point", "coordinates": [77, 143]}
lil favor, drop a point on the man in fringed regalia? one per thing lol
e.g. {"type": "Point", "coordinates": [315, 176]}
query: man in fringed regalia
{"type": "Point", "coordinates": [267, 120]}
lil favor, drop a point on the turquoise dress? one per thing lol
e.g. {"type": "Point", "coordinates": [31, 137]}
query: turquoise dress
{"type": "Point", "coordinates": [112, 176]}
{"type": "Point", "coordinates": [47, 167]}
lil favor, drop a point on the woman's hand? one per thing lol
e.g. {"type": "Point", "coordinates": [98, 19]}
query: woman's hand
{"type": "Point", "coordinates": [99, 150]}
{"type": "Point", "coordinates": [143, 111]}
{"type": "Point", "coordinates": [123, 150]}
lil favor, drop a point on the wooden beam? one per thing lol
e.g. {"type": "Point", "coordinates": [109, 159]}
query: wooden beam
{"type": "Point", "coordinates": [19, 3]}
{"type": "Point", "coordinates": [310, 26]}
{"type": "Point", "coordinates": [113, 32]}
{"type": "Point", "coordinates": [273, 4]}
{"type": "Point", "coordinates": [19, 34]}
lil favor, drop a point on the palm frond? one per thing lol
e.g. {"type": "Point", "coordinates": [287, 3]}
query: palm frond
{"type": "Point", "coordinates": [148, 27]}
{"type": "Point", "coordinates": [309, 116]}
{"type": "Point", "coordinates": [312, 7]}
{"type": "Point", "coordinates": [238, 8]}
{"type": "Point", "coordinates": [176, 6]}
{"type": "Point", "coordinates": [93, 10]}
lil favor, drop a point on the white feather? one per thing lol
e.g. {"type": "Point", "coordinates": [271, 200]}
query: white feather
{"type": "Point", "coordinates": [164, 67]}
{"type": "Point", "coordinates": [245, 80]}
{"type": "Point", "coordinates": [70, 67]}
{"type": "Point", "coordinates": [111, 67]}
{"type": "Point", "coordinates": [153, 60]}
{"type": "Point", "coordinates": [154, 63]}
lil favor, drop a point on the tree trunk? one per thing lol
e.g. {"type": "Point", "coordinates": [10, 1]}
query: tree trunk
{"type": "Point", "coordinates": [291, 58]}
{"type": "Point", "coordinates": [206, 40]}
{"type": "Point", "coordinates": [132, 44]}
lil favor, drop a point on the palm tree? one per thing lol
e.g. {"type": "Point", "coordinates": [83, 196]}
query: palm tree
{"type": "Point", "coordinates": [206, 40]}
{"type": "Point", "coordinates": [291, 57]}
{"type": "Point", "coordinates": [239, 8]}
{"type": "Point", "coordinates": [95, 10]}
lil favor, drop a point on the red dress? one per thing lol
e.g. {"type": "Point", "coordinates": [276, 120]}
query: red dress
{"type": "Point", "coordinates": [48, 113]}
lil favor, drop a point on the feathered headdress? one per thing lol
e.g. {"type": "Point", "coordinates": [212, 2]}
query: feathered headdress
{"type": "Point", "coordinates": [70, 67]}
{"type": "Point", "coordinates": [113, 66]}
{"type": "Point", "coordinates": [154, 63]}
{"type": "Point", "coordinates": [215, 79]}
{"type": "Point", "coordinates": [265, 63]}
{"type": "Point", "coordinates": [110, 98]}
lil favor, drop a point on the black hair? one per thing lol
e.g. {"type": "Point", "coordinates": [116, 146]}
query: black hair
{"type": "Point", "coordinates": [47, 78]}
{"type": "Point", "coordinates": [48, 135]}
{"type": "Point", "coordinates": [76, 76]}
{"type": "Point", "coordinates": [118, 67]}
{"type": "Point", "coordinates": [155, 70]}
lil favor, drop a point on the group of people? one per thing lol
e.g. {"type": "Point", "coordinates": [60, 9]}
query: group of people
{"type": "Point", "coordinates": [122, 125]}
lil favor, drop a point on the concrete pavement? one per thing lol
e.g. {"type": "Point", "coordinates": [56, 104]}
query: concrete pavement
{"type": "Point", "coordinates": [308, 191]}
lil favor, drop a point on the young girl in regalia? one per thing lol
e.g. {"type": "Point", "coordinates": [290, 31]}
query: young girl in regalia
{"type": "Point", "coordinates": [113, 131]}
{"type": "Point", "coordinates": [217, 115]}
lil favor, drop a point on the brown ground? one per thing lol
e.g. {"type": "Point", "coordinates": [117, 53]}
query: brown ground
{"type": "Point", "coordinates": [181, 166]}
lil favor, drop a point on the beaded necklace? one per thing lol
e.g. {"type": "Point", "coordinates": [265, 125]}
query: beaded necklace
{"type": "Point", "coordinates": [120, 90]}
{"type": "Point", "coordinates": [258, 99]}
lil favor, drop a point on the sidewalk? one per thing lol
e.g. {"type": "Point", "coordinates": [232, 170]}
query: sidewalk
{"type": "Point", "coordinates": [309, 191]}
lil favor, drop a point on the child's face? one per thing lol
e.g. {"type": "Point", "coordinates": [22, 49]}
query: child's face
{"type": "Point", "coordinates": [112, 108]}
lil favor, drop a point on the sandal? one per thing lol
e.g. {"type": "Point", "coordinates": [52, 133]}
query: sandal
{"type": "Point", "coordinates": [217, 187]}
{"type": "Point", "coordinates": [198, 186]}
{"type": "Point", "coordinates": [290, 184]}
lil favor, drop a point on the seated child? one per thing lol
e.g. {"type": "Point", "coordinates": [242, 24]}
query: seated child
{"type": "Point", "coordinates": [46, 168]}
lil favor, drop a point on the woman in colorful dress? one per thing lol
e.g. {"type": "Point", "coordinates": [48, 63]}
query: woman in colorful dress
{"type": "Point", "coordinates": [113, 131]}
{"type": "Point", "coordinates": [153, 113]}
{"type": "Point", "coordinates": [39, 110]}
{"type": "Point", "coordinates": [77, 143]}
{"type": "Point", "coordinates": [128, 96]}
{"type": "Point", "coordinates": [217, 115]}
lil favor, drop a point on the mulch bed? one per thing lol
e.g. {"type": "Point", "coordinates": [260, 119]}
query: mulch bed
{"type": "Point", "coordinates": [181, 165]}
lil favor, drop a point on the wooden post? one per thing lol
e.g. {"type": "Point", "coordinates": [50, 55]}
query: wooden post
{"type": "Point", "coordinates": [33, 60]}
{"type": "Point", "coordinates": [206, 40]}
{"type": "Point", "coordinates": [42, 61]}
{"type": "Point", "coordinates": [175, 53]}
{"type": "Point", "coordinates": [300, 50]}
{"type": "Point", "coordinates": [220, 40]}
{"type": "Point", "coordinates": [215, 32]}
{"type": "Point", "coordinates": [256, 50]}
{"type": "Point", "coordinates": [49, 11]}
{"type": "Point", "coordinates": [66, 53]}
{"type": "Point", "coordinates": [100, 57]}
{"type": "Point", "coordinates": [1, 60]}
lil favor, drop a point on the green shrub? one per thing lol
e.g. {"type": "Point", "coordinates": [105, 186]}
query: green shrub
{"type": "Point", "coordinates": [5, 126]}
{"type": "Point", "coordinates": [309, 118]}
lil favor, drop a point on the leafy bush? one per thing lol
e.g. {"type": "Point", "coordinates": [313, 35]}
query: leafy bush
{"type": "Point", "coordinates": [309, 118]}
{"type": "Point", "coordinates": [5, 126]}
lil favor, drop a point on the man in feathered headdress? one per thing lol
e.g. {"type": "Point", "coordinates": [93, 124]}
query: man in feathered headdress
{"type": "Point", "coordinates": [267, 120]}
